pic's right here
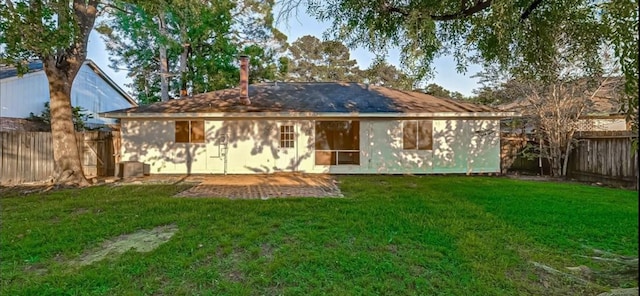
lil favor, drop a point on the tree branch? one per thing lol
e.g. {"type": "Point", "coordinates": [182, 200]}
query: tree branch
{"type": "Point", "coordinates": [10, 6]}
{"type": "Point", "coordinates": [530, 9]}
{"type": "Point", "coordinates": [115, 7]}
{"type": "Point", "coordinates": [477, 7]}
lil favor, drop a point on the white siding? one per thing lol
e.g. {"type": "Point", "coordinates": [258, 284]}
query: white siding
{"type": "Point", "coordinates": [21, 95]}
{"type": "Point", "coordinates": [94, 94]}
{"type": "Point", "coordinates": [151, 142]}
{"type": "Point", "coordinates": [466, 146]}
{"type": "Point", "coordinates": [252, 146]}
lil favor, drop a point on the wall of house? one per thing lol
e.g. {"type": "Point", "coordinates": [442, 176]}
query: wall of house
{"type": "Point", "coordinates": [153, 142]}
{"type": "Point", "coordinates": [22, 95]}
{"type": "Point", "coordinates": [459, 146]}
{"type": "Point", "coordinates": [29, 93]}
{"type": "Point", "coordinates": [252, 146]}
{"type": "Point", "coordinates": [467, 146]}
{"type": "Point", "coordinates": [93, 93]}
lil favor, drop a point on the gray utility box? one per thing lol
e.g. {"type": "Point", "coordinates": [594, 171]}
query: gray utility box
{"type": "Point", "coordinates": [128, 169]}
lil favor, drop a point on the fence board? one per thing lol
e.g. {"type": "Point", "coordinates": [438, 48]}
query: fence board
{"type": "Point", "coordinates": [28, 156]}
{"type": "Point", "coordinates": [605, 158]}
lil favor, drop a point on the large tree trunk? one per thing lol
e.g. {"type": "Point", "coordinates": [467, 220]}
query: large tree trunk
{"type": "Point", "coordinates": [164, 63]}
{"type": "Point", "coordinates": [183, 69]}
{"type": "Point", "coordinates": [66, 155]}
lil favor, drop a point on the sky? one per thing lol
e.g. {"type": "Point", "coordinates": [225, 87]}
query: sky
{"type": "Point", "coordinates": [445, 74]}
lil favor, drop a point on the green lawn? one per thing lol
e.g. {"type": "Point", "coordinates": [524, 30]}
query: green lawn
{"type": "Point", "coordinates": [398, 235]}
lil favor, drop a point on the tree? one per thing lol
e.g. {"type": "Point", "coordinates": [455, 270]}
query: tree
{"type": "Point", "coordinates": [437, 91]}
{"type": "Point", "coordinates": [337, 63]}
{"type": "Point", "coordinates": [80, 117]}
{"type": "Point", "coordinates": [263, 65]}
{"type": "Point", "coordinates": [158, 41]}
{"type": "Point", "coordinates": [306, 58]}
{"type": "Point", "coordinates": [56, 32]}
{"type": "Point", "coordinates": [315, 60]}
{"type": "Point", "coordinates": [202, 40]}
{"type": "Point", "coordinates": [382, 73]}
{"type": "Point", "coordinates": [515, 35]}
{"type": "Point", "coordinates": [555, 107]}
{"type": "Point", "coordinates": [498, 92]}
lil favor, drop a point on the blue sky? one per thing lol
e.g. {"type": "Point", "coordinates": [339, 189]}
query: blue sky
{"type": "Point", "coordinates": [446, 74]}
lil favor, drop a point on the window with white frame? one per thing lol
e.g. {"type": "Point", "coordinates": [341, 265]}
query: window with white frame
{"type": "Point", "coordinates": [287, 136]}
{"type": "Point", "coordinates": [417, 135]}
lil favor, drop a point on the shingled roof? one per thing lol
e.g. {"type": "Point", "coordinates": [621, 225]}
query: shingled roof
{"type": "Point", "coordinates": [307, 97]}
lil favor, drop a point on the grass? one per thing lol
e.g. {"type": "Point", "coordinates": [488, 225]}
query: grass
{"type": "Point", "coordinates": [445, 235]}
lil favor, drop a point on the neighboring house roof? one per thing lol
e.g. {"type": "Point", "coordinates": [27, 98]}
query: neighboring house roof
{"type": "Point", "coordinates": [9, 71]}
{"type": "Point", "coordinates": [605, 101]}
{"type": "Point", "coordinates": [329, 98]}
{"type": "Point", "coordinates": [36, 66]}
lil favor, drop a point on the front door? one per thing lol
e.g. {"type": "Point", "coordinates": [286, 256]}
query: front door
{"type": "Point", "coordinates": [286, 159]}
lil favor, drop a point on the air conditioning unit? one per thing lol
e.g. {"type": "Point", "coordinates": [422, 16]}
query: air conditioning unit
{"type": "Point", "coordinates": [129, 169]}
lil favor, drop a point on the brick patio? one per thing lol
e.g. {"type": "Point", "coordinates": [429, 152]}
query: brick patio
{"type": "Point", "coordinates": [264, 186]}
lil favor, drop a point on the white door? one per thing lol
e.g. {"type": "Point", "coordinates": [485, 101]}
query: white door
{"type": "Point", "coordinates": [287, 142]}
{"type": "Point", "coordinates": [217, 144]}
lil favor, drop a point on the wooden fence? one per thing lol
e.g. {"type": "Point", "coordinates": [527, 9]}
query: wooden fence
{"type": "Point", "coordinates": [28, 156]}
{"type": "Point", "coordinates": [605, 157]}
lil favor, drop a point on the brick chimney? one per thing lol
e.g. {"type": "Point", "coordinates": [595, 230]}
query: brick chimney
{"type": "Point", "coordinates": [244, 80]}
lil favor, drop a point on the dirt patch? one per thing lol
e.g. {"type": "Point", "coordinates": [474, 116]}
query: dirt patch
{"type": "Point", "coordinates": [140, 241]}
{"type": "Point", "coordinates": [230, 264]}
{"type": "Point", "coordinates": [266, 251]}
{"type": "Point", "coordinates": [38, 268]}
{"type": "Point", "coordinates": [79, 211]}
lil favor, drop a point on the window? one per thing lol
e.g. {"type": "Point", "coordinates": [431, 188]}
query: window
{"type": "Point", "coordinates": [287, 136]}
{"type": "Point", "coordinates": [337, 142]}
{"type": "Point", "coordinates": [190, 131]}
{"type": "Point", "coordinates": [417, 135]}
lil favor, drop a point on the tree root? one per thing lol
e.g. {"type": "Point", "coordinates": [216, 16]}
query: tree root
{"type": "Point", "coordinates": [554, 271]}
{"type": "Point", "coordinates": [629, 262]}
{"type": "Point", "coordinates": [72, 178]}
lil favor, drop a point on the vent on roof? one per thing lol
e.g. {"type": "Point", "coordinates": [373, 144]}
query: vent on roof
{"type": "Point", "coordinates": [244, 80]}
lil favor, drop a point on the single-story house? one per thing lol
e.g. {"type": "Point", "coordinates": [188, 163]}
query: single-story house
{"type": "Point", "coordinates": [92, 90]}
{"type": "Point", "coordinates": [344, 128]}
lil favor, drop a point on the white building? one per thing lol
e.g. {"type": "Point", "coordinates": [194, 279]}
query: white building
{"type": "Point", "coordinates": [92, 89]}
{"type": "Point", "coordinates": [314, 128]}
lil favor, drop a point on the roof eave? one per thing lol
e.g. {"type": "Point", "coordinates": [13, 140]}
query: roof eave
{"type": "Point", "coordinates": [125, 115]}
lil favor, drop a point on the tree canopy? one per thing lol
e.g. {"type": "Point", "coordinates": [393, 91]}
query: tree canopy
{"type": "Point", "coordinates": [194, 45]}
{"type": "Point", "coordinates": [382, 73]}
{"type": "Point", "coordinates": [316, 60]}
{"type": "Point", "coordinates": [519, 36]}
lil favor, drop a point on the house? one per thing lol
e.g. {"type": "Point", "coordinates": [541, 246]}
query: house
{"type": "Point", "coordinates": [92, 90]}
{"type": "Point", "coordinates": [602, 110]}
{"type": "Point", "coordinates": [344, 128]}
